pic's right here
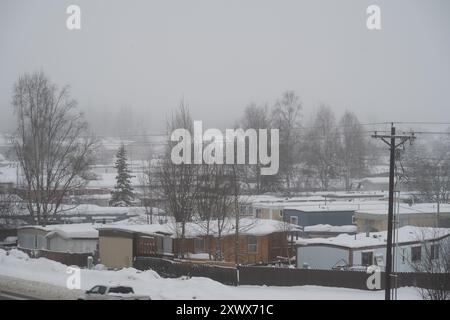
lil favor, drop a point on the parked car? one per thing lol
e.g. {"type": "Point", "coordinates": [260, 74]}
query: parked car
{"type": "Point", "coordinates": [101, 292]}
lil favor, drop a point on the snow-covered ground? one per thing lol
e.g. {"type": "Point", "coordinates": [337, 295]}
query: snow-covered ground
{"type": "Point", "coordinates": [47, 279]}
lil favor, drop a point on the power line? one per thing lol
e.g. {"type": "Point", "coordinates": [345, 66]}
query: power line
{"type": "Point", "coordinates": [392, 141]}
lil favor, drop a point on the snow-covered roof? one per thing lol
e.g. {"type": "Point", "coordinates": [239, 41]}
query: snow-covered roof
{"type": "Point", "coordinates": [8, 173]}
{"type": "Point", "coordinates": [419, 208]}
{"type": "Point", "coordinates": [247, 226]}
{"type": "Point", "coordinates": [330, 228]}
{"type": "Point", "coordinates": [376, 180]}
{"type": "Point", "coordinates": [69, 231]}
{"type": "Point", "coordinates": [140, 228]}
{"type": "Point", "coordinates": [361, 240]}
{"type": "Point", "coordinates": [335, 205]}
{"type": "Point", "coordinates": [92, 209]}
{"type": "Point", "coordinates": [108, 180]}
{"type": "Point", "coordinates": [307, 197]}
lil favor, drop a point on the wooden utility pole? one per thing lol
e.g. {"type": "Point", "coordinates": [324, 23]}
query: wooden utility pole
{"type": "Point", "coordinates": [390, 140]}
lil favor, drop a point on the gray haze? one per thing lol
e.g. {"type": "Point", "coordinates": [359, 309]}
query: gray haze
{"type": "Point", "coordinates": [222, 55]}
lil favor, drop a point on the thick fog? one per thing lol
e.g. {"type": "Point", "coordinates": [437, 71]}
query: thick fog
{"type": "Point", "coordinates": [219, 56]}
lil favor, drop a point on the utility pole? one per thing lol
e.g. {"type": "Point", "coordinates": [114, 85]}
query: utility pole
{"type": "Point", "coordinates": [390, 140]}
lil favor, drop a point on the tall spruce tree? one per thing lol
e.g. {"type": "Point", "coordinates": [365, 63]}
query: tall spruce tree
{"type": "Point", "coordinates": [123, 192]}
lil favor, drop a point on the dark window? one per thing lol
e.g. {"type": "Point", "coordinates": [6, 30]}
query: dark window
{"type": "Point", "coordinates": [416, 254]}
{"type": "Point", "coordinates": [367, 258]}
{"type": "Point", "coordinates": [434, 251]}
{"type": "Point", "coordinates": [294, 219]}
{"type": "Point", "coordinates": [258, 213]}
{"type": "Point", "coordinates": [252, 244]}
{"type": "Point", "coordinates": [121, 290]}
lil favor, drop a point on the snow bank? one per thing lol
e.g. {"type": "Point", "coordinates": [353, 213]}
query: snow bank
{"type": "Point", "coordinates": [47, 279]}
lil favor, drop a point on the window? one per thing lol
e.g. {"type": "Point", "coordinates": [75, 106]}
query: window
{"type": "Point", "coordinates": [121, 290]}
{"type": "Point", "coordinates": [294, 219]}
{"type": "Point", "coordinates": [94, 289]}
{"type": "Point", "coordinates": [434, 254]}
{"type": "Point", "coordinates": [252, 244]}
{"type": "Point", "coordinates": [281, 213]}
{"type": "Point", "coordinates": [367, 258]}
{"type": "Point", "coordinates": [353, 220]}
{"type": "Point", "coordinates": [199, 245]}
{"type": "Point", "coordinates": [416, 254]}
{"type": "Point", "coordinates": [98, 290]}
{"type": "Point", "coordinates": [101, 289]}
{"type": "Point", "coordinates": [258, 212]}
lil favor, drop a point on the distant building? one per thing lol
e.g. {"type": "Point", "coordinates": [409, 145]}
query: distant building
{"type": "Point", "coordinates": [373, 184]}
{"type": "Point", "coordinates": [374, 218]}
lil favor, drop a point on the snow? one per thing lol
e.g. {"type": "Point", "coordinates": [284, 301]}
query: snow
{"type": "Point", "coordinates": [5, 141]}
{"type": "Point", "coordinates": [140, 228]}
{"type": "Point", "coordinates": [199, 256]}
{"type": "Point", "coordinates": [47, 279]}
{"type": "Point", "coordinates": [379, 169]}
{"type": "Point", "coordinates": [352, 205]}
{"type": "Point", "coordinates": [376, 180]}
{"type": "Point", "coordinates": [93, 209]}
{"type": "Point", "coordinates": [360, 240]}
{"type": "Point", "coordinates": [330, 228]}
{"type": "Point", "coordinates": [419, 208]}
{"type": "Point", "coordinates": [108, 180]}
{"type": "Point", "coordinates": [8, 173]}
{"type": "Point", "coordinates": [368, 207]}
{"type": "Point", "coordinates": [112, 143]}
{"type": "Point", "coordinates": [247, 226]}
{"type": "Point", "coordinates": [78, 230]}
{"type": "Point", "coordinates": [10, 239]}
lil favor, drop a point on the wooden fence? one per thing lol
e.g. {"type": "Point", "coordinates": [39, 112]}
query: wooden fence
{"type": "Point", "coordinates": [174, 269]}
{"type": "Point", "coordinates": [271, 276]}
{"type": "Point", "coordinates": [67, 258]}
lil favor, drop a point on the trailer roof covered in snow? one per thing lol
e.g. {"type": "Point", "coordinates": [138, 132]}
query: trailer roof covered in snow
{"type": "Point", "coordinates": [407, 234]}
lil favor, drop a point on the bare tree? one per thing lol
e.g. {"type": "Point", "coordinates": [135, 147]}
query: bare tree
{"type": "Point", "coordinates": [258, 117]}
{"type": "Point", "coordinates": [323, 146]}
{"type": "Point", "coordinates": [152, 193]}
{"type": "Point", "coordinates": [50, 143]}
{"type": "Point", "coordinates": [434, 261]}
{"type": "Point", "coordinates": [8, 207]}
{"type": "Point", "coordinates": [428, 171]}
{"type": "Point", "coordinates": [212, 201]}
{"type": "Point", "coordinates": [286, 118]}
{"type": "Point", "coordinates": [178, 181]}
{"type": "Point", "coordinates": [353, 151]}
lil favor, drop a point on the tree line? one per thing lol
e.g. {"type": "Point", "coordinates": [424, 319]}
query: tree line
{"type": "Point", "coordinates": [55, 149]}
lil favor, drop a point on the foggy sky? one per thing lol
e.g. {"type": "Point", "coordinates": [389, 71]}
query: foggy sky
{"type": "Point", "coordinates": [221, 55]}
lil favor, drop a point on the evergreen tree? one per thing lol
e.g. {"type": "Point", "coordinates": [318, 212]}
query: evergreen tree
{"type": "Point", "coordinates": [123, 192]}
